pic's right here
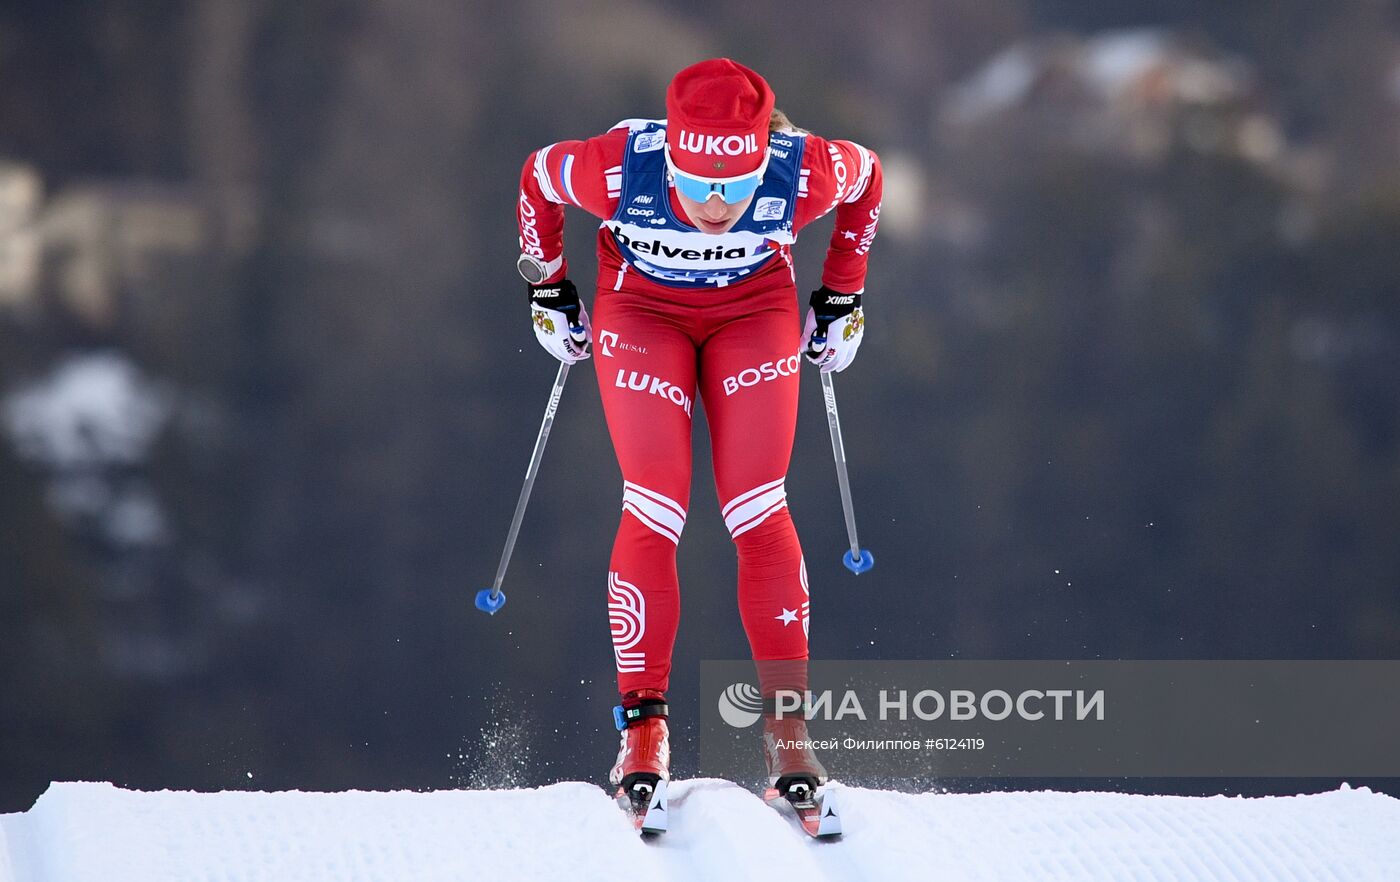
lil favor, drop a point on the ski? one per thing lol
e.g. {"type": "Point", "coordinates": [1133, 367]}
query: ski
{"type": "Point", "coordinates": [646, 806]}
{"type": "Point", "coordinates": [815, 810]}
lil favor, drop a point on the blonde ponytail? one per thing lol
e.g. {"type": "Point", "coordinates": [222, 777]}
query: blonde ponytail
{"type": "Point", "coordinates": [779, 122]}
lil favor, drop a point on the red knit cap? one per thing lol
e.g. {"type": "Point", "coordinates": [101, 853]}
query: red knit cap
{"type": "Point", "coordinates": [717, 119]}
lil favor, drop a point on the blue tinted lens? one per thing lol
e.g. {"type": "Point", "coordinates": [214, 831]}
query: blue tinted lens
{"type": "Point", "coordinates": [741, 190]}
{"type": "Point", "coordinates": [699, 191]}
{"type": "Point", "coordinates": [692, 189]}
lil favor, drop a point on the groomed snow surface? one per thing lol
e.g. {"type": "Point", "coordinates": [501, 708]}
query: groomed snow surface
{"type": "Point", "coordinates": [719, 831]}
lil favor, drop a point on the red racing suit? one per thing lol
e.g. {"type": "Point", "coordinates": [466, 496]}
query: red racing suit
{"type": "Point", "coordinates": [735, 342]}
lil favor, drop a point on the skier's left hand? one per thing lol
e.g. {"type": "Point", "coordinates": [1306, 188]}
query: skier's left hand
{"type": "Point", "coordinates": [835, 324]}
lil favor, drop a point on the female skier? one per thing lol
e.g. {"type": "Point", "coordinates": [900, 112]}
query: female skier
{"type": "Point", "coordinates": [696, 292]}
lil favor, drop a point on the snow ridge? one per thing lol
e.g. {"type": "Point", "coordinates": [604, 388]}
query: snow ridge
{"type": "Point", "coordinates": [574, 831]}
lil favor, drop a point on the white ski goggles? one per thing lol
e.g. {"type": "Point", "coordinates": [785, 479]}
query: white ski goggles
{"type": "Point", "coordinates": [730, 190]}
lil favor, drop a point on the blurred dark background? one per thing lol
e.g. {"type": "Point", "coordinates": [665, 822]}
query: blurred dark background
{"type": "Point", "coordinates": [1130, 388]}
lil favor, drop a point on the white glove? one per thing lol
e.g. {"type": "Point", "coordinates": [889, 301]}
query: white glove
{"type": "Point", "coordinates": [561, 321]}
{"type": "Point", "coordinates": [835, 324]}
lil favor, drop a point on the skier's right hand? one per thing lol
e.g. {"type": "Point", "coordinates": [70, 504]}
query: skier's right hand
{"type": "Point", "coordinates": [561, 321]}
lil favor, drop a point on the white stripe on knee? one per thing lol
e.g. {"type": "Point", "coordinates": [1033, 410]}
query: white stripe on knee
{"type": "Point", "coordinates": [751, 508]}
{"type": "Point", "coordinates": [657, 512]}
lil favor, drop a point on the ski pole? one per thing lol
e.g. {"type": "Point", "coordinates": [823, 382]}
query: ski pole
{"type": "Point", "coordinates": [857, 560]}
{"type": "Point", "coordinates": [489, 600]}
